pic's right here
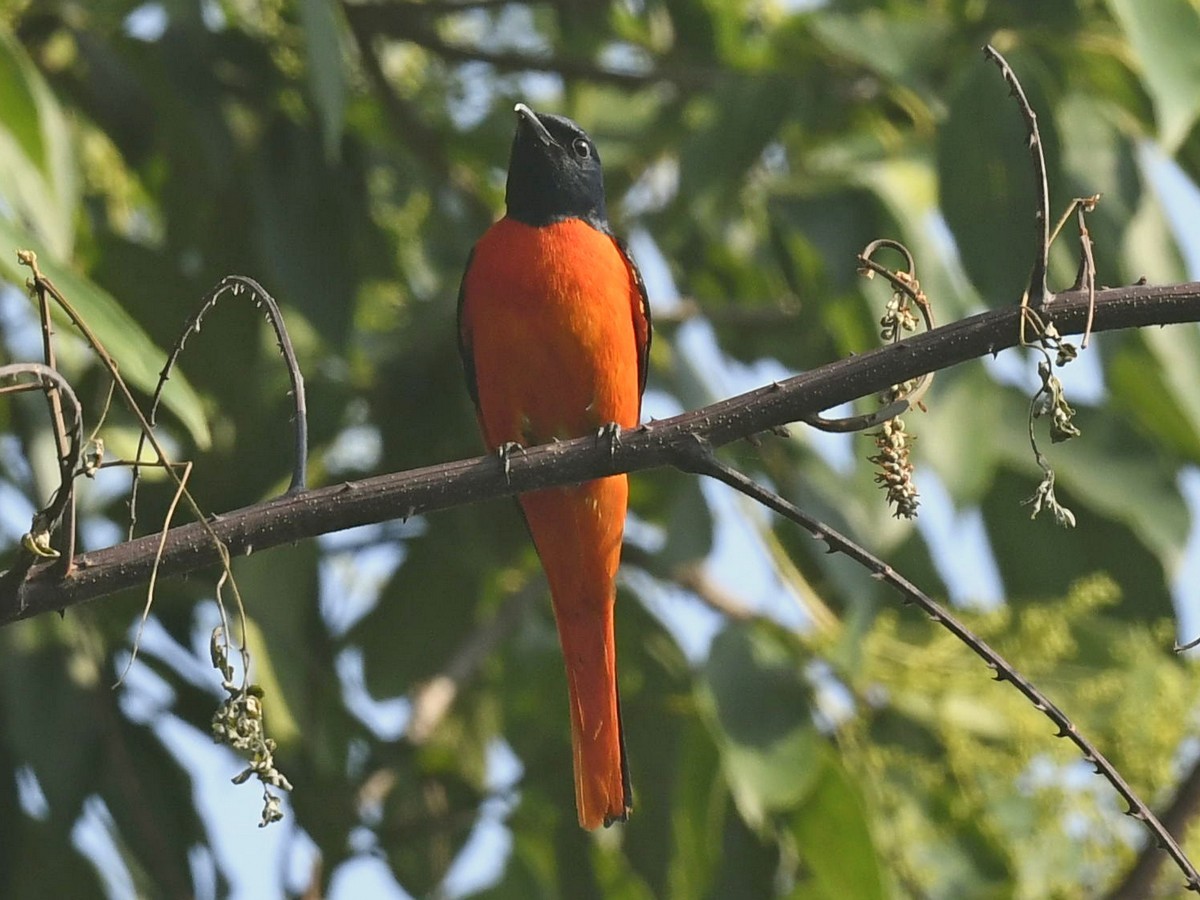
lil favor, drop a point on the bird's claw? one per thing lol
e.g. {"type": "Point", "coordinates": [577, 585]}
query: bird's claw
{"type": "Point", "coordinates": [505, 452]}
{"type": "Point", "coordinates": [611, 433]}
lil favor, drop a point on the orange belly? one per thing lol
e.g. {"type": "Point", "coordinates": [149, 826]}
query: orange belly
{"type": "Point", "coordinates": [552, 332]}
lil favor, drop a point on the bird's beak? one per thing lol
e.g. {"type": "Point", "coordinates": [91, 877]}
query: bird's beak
{"type": "Point", "coordinates": [527, 115]}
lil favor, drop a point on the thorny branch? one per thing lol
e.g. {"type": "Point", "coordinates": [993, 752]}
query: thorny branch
{"type": "Point", "coordinates": [1050, 398]}
{"type": "Point", "coordinates": [698, 457]}
{"type": "Point", "coordinates": [306, 514]}
{"type": "Point", "coordinates": [1142, 876]}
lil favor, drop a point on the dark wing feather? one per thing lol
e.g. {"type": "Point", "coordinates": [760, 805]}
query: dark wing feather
{"type": "Point", "coordinates": [465, 353]}
{"type": "Point", "coordinates": [642, 325]}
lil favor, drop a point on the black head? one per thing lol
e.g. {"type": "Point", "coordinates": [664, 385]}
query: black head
{"type": "Point", "coordinates": [554, 172]}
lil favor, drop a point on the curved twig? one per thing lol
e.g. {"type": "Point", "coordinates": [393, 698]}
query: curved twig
{"type": "Point", "coordinates": [235, 284]}
{"type": "Point", "coordinates": [67, 538]}
{"type": "Point", "coordinates": [1087, 264]}
{"type": "Point", "coordinates": [1037, 293]}
{"type": "Point", "coordinates": [906, 283]}
{"type": "Point", "coordinates": [36, 545]}
{"type": "Point", "coordinates": [697, 456]}
{"type": "Point", "coordinates": [1140, 879]}
{"type": "Point", "coordinates": [14, 582]}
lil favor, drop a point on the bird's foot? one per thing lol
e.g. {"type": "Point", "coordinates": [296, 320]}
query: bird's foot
{"type": "Point", "coordinates": [505, 452]}
{"type": "Point", "coordinates": [611, 433]}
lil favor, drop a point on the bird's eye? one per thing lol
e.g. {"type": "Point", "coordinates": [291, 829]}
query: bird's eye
{"type": "Point", "coordinates": [581, 148]}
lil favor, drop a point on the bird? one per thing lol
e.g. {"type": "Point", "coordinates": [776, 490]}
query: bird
{"type": "Point", "coordinates": [554, 332]}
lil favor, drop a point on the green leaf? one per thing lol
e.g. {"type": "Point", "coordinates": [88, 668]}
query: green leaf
{"type": "Point", "coordinates": [38, 169]}
{"type": "Point", "coordinates": [986, 177]}
{"type": "Point", "coordinates": [1100, 158]}
{"type": "Point", "coordinates": [424, 827]}
{"type": "Point", "coordinates": [748, 864]}
{"type": "Point", "coordinates": [1164, 36]}
{"type": "Point", "coordinates": [139, 359]}
{"type": "Point", "coordinates": [1149, 248]}
{"type": "Point", "coordinates": [1153, 376]}
{"type": "Point", "coordinates": [757, 702]}
{"type": "Point", "coordinates": [149, 796]}
{"type": "Point", "coordinates": [48, 864]}
{"type": "Point", "coordinates": [699, 808]}
{"type": "Point", "coordinates": [50, 719]}
{"type": "Point", "coordinates": [907, 185]}
{"type": "Point", "coordinates": [431, 604]}
{"type": "Point", "coordinates": [1116, 472]}
{"type": "Point", "coordinates": [313, 244]}
{"type": "Point", "coordinates": [17, 100]}
{"type": "Point", "coordinates": [520, 882]}
{"type": "Point", "coordinates": [741, 117]}
{"type": "Point", "coordinates": [833, 836]}
{"type": "Point", "coordinates": [689, 528]}
{"type": "Point", "coordinates": [1036, 559]}
{"type": "Point", "coordinates": [897, 48]}
{"type": "Point", "coordinates": [963, 440]}
{"type": "Point", "coordinates": [283, 636]}
{"type": "Point", "coordinates": [661, 738]}
{"type": "Point", "coordinates": [326, 77]}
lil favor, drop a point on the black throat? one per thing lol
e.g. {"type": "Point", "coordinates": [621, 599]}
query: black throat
{"type": "Point", "coordinates": [554, 172]}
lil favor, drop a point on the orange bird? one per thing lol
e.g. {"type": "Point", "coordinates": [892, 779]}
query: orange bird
{"type": "Point", "coordinates": [554, 330]}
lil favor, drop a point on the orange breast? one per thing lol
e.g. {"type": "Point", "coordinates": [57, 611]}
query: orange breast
{"type": "Point", "coordinates": [550, 316]}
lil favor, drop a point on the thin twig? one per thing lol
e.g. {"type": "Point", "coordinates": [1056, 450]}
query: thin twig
{"type": "Point", "coordinates": [152, 583]}
{"type": "Point", "coordinates": [61, 441]}
{"type": "Point", "coordinates": [36, 545]}
{"type": "Point", "coordinates": [1177, 816]}
{"type": "Point", "coordinates": [1037, 293]}
{"type": "Point", "coordinates": [1087, 265]}
{"type": "Point", "coordinates": [234, 284]}
{"type": "Point", "coordinates": [904, 281]}
{"type": "Point", "coordinates": [15, 581]}
{"type": "Point", "coordinates": [697, 456]}
{"type": "Point", "coordinates": [1086, 275]}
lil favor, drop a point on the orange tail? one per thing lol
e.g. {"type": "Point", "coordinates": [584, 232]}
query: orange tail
{"type": "Point", "coordinates": [577, 531]}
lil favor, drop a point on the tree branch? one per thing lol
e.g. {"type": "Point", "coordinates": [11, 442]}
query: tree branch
{"type": "Point", "coordinates": [1142, 877]}
{"type": "Point", "coordinates": [404, 22]}
{"type": "Point", "coordinates": [311, 513]}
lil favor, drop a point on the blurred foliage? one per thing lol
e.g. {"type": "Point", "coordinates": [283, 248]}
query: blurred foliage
{"type": "Point", "coordinates": [822, 744]}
